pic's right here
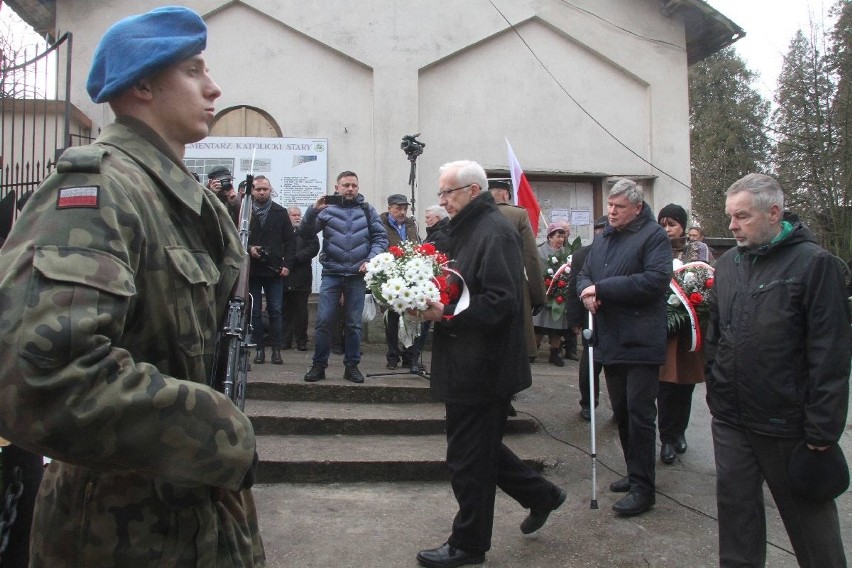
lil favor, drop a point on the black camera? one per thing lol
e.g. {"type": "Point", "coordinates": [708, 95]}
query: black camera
{"type": "Point", "coordinates": [226, 184]}
{"type": "Point", "coordinates": [412, 146]}
{"type": "Point", "coordinates": [335, 199]}
{"type": "Point", "coordinates": [268, 260]}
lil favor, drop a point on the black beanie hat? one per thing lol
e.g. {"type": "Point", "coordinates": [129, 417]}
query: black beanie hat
{"type": "Point", "coordinates": [675, 212]}
{"type": "Point", "coordinates": [817, 475]}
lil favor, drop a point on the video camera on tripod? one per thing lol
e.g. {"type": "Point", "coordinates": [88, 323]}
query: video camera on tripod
{"type": "Point", "coordinates": [412, 146]}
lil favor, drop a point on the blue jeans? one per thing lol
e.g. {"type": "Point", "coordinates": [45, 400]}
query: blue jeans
{"type": "Point", "coordinates": [353, 289]}
{"type": "Point", "coordinates": [273, 287]}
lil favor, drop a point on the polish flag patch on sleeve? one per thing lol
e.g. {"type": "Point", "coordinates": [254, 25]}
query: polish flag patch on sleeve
{"type": "Point", "coordinates": [76, 197]}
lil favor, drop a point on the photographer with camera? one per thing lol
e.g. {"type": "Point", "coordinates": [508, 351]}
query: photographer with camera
{"type": "Point", "coordinates": [221, 182]}
{"type": "Point", "coordinates": [272, 246]}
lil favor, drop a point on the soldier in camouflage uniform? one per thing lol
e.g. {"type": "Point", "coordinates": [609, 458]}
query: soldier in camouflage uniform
{"type": "Point", "coordinates": [114, 281]}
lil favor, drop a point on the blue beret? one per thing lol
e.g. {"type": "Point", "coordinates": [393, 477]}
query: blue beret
{"type": "Point", "coordinates": [139, 46]}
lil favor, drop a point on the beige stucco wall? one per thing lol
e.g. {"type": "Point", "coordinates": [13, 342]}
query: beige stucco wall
{"type": "Point", "coordinates": [362, 74]}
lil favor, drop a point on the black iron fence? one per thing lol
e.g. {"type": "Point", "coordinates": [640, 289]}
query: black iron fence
{"type": "Point", "coordinates": [37, 123]}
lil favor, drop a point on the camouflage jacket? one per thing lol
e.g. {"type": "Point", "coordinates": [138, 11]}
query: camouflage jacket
{"type": "Point", "coordinates": [114, 280]}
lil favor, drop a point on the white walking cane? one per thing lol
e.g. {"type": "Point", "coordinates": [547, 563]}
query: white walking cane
{"type": "Point", "coordinates": [588, 335]}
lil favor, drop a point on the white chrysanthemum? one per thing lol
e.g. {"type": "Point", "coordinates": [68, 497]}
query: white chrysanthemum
{"type": "Point", "coordinates": [674, 300]}
{"type": "Point", "coordinates": [399, 305]}
{"type": "Point", "coordinates": [550, 271]}
{"type": "Point", "coordinates": [392, 288]}
{"type": "Point", "coordinates": [380, 261]}
{"type": "Point", "coordinates": [688, 278]}
{"type": "Point", "coordinates": [418, 268]}
{"type": "Point", "coordinates": [423, 292]}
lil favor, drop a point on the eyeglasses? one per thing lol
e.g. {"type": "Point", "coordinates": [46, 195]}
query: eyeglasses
{"type": "Point", "coordinates": [446, 192]}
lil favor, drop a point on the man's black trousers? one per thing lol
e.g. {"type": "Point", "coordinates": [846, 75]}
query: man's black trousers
{"type": "Point", "coordinates": [479, 462]}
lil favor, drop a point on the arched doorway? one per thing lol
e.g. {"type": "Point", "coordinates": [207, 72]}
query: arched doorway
{"type": "Point", "coordinates": [245, 121]}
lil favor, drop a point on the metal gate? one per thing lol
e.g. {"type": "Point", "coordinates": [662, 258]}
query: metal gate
{"type": "Point", "coordinates": [36, 117]}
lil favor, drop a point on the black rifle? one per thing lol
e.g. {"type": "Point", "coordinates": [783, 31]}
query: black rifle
{"type": "Point", "coordinates": [231, 354]}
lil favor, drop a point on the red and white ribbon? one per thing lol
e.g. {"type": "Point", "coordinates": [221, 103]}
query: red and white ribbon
{"type": "Point", "coordinates": [464, 297]}
{"type": "Point", "coordinates": [563, 268]}
{"type": "Point", "coordinates": [695, 330]}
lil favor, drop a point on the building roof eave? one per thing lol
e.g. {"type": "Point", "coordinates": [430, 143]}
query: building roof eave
{"type": "Point", "coordinates": [40, 14]}
{"type": "Point", "coordinates": [707, 29]}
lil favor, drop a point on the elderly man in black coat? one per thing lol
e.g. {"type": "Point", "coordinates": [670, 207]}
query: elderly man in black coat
{"type": "Point", "coordinates": [479, 360]}
{"type": "Point", "coordinates": [623, 283]}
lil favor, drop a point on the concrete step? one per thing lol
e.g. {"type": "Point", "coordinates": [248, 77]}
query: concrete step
{"type": "Point", "coordinates": [371, 391]}
{"type": "Point", "coordinates": [274, 417]}
{"type": "Point", "coordinates": [386, 429]}
{"type": "Point", "coordinates": [326, 459]}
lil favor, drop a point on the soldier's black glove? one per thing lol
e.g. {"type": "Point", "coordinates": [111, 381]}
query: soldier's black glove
{"type": "Point", "coordinates": [248, 480]}
{"type": "Point", "coordinates": [536, 309]}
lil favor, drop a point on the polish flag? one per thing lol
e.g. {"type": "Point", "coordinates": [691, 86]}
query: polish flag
{"type": "Point", "coordinates": [524, 196]}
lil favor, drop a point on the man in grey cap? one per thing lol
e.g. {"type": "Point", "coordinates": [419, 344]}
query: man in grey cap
{"type": "Point", "coordinates": [126, 264]}
{"type": "Point", "coordinates": [399, 227]}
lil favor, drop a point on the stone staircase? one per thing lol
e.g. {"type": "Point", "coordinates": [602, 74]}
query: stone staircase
{"type": "Point", "coordinates": [387, 429]}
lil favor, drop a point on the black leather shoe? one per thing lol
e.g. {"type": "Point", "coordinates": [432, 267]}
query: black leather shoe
{"type": "Point", "coordinates": [620, 486]}
{"type": "Point", "coordinates": [634, 504]}
{"type": "Point", "coordinates": [391, 365]}
{"type": "Point", "coordinates": [536, 519]}
{"type": "Point", "coordinates": [351, 373]}
{"type": "Point", "coordinates": [448, 556]}
{"type": "Point", "coordinates": [302, 346]}
{"type": "Point", "coordinates": [586, 414]}
{"type": "Point", "coordinates": [680, 445]}
{"type": "Point", "coordinates": [260, 358]}
{"type": "Point", "coordinates": [314, 374]}
{"type": "Point", "coordinates": [276, 358]}
{"type": "Point", "coordinates": [667, 453]}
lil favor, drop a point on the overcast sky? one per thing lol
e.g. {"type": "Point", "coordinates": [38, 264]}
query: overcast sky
{"type": "Point", "coordinates": [769, 27]}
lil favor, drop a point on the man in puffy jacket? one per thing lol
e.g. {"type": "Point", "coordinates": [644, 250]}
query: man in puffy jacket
{"type": "Point", "coordinates": [623, 282]}
{"type": "Point", "coordinates": [114, 282]}
{"type": "Point", "coordinates": [778, 354]}
{"type": "Point", "coordinates": [352, 235]}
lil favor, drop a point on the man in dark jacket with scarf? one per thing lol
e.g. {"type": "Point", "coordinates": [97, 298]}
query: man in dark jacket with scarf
{"type": "Point", "coordinates": [272, 246]}
{"type": "Point", "coordinates": [623, 282]}
{"type": "Point", "coordinates": [778, 356]}
{"type": "Point", "coordinates": [479, 360]}
{"type": "Point", "coordinates": [352, 235]}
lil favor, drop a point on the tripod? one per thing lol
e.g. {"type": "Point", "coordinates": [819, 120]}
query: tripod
{"type": "Point", "coordinates": [419, 341]}
{"type": "Point", "coordinates": [412, 148]}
